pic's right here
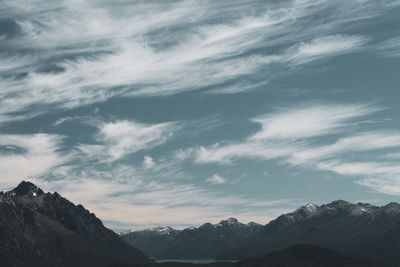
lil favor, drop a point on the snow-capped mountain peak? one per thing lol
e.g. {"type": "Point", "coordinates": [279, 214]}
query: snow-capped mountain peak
{"type": "Point", "coordinates": [163, 230]}
{"type": "Point", "coordinates": [26, 188]}
{"type": "Point", "coordinates": [228, 222]}
{"type": "Point", "coordinates": [311, 207]}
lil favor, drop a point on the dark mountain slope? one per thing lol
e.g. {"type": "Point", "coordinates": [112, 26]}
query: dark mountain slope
{"type": "Point", "coordinates": [356, 229]}
{"type": "Point", "coordinates": [309, 256]}
{"type": "Point", "coordinates": [295, 256]}
{"type": "Point", "coordinates": [387, 244]}
{"type": "Point", "coordinates": [44, 229]}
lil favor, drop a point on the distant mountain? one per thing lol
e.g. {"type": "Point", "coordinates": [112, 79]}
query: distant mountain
{"type": "Point", "coordinates": [44, 229]}
{"type": "Point", "coordinates": [152, 241]}
{"type": "Point", "coordinates": [204, 242]}
{"type": "Point", "coordinates": [360, 230]}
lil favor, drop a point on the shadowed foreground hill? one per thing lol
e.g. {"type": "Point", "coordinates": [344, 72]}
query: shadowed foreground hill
{"type": "Point", "coordinates": [44, 229]}
{"type": "Point", "coordinates": [309, 256]}
{"type": "Point", "coordinates": [296, 256]}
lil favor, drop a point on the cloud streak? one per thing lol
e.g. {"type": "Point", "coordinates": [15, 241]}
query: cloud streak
{"type": "Point", "coordinates": [28, 156]}
{"type": "Point", "coordinates": [57, 57]}
{"type": "Point", "coordinates": [70, 54]}
{"type": "Point", "coordinates": [216, 179]}
{"type": "Point", "coordinates": [390, 47]}
{"type": "Point", "coordinates": [292, 136]}
{"type": "Point", "coordinates": [124, 137]}
{"type": "Point", "coordinates": [149, 204]}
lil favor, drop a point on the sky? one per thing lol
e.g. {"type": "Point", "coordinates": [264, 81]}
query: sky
{"type": "Point", "coordinates": [184, 112]}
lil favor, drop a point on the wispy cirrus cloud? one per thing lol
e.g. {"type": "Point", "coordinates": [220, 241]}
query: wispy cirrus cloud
{"type": "Point", "coordinates": [145, 204]}
{"type": "Point", "coordinates": [390, 47]}
{"type": "Point", "coordinates": [294, 137]}
{"type": "Point", "coordinates": [381, 176]}
{"type": "Point", "coordinates": [117, 139]}
{"type": "Point", "coordinates": [154, 190]}
{"type": "Point", "coordinates": [129, 194]}
{"type": "Point", "coordinates": [367, 141]}
{"type": "Point", "coordinates": [28, 156]}
{"type": "Point", "coordinates": [60, 56]}
{"type": "Point", "coordinates": [305, 122]}
{"type": "Point", "coordinates": [284, 133]}
{"type": "Point", "coordinates": [323, 47]}
{"type": "Point", "coordinates": [216, 179]}
{"type": "Point", "coordinates": [69, 54]}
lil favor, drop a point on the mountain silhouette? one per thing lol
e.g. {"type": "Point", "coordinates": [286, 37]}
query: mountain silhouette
{"type": "Point", "coordinates": [44, 229]}
{"type": "Point", "coordinates": [361, 230]}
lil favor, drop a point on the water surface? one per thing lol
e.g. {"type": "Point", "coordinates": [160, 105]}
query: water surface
{"type": "Point", "coordinates": [202, 261]}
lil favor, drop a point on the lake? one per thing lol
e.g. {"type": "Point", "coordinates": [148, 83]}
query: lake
{"type": "Point", "coordinates": [202, 261]}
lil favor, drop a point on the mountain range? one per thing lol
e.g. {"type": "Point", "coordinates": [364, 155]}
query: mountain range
{"type": "Point", "coordinates": [204, 242]}
{"type": "Point", "coordinates": [359, 230]}
{"type": "Point", "coordinates": [45, 229]}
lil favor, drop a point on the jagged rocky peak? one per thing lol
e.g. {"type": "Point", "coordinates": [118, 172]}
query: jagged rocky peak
{"type": "Point", "coordinates": [347, 208]}
{"type": "Point", "coordinates": [304, 211]}
{"type": "Point", "coordinates": [311, 207]}
{"type": "Point", "coordinates": [55, 224]}
{"type": "Point", "coordinates": [229, 221]}
{"type": "Point", "coordinates": [391, 208]}
{"type": "Point", "coordinates": [26, 188]}
{"type": "Point", "coordinates": [312, 210]}
{"type": "Point", "coordinates": [340, 204]}
{"type": "Point", "coordinates": [308, 209]}
{"type": "Point", "coordinates": [164, 230]}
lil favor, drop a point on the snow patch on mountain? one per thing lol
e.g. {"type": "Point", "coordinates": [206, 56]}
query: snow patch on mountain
{"type": "Point", "coordinates": [311, 207]}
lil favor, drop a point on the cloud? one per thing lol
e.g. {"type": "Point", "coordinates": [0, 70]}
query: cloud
{"type": "Point", "coordinates": [226, 153]}
{"type": "Point", "coordinates": [69, 54]}
{"type": "Point", "coordinates": [66, 54]}
{"type": "Point", "coordinates": [312, 50]}
{"type": "Point", "coordinates": [216, 179]}
{"type": "Point", "coordinates": [120, 138]}
{"type": "Point", "coordinates": [323, 47]}
{"type": "Point", "coordinates": [28, 156]}
{"type": "Point", "coordinates": [155, 193]}
{"type": "Point", "coordinates": [123, 137]}
{"type": "Point", "coordinates": [390, 47]}
{"type": "Point", "coordinates": [283, 133]}
{"type": "Point", "coordinates": [300, 123]}
{"type": "Point", "coordinates": [383, 177]}
{"type": "Point", "coordinates": [148, 162]}
{"type": "Point", "coordinates": [293, 135]}
{"type": "Point", "coordinates": [392, 155]}
{"type": "Point", "coordinates": [144, 204]}
{"type": "Point", "coordinates": [153, 190]}
{"type": "Point", "coordinates": [368, 141]}
{"type": "Point", "coordinates": [237, 88]}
